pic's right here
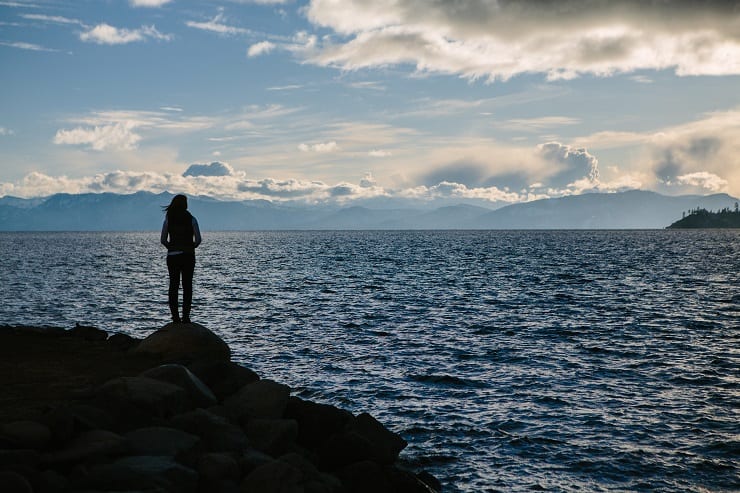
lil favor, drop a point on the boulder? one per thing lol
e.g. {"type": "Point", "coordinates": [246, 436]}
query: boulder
{"type": "Point", "coordinates": [199, 394]}
{"type": "Point", "coordinates": [90, 444]}
{"type": "Point", "coordinates": [251, 459]}
{"type": "Point", "coordinates": [262, 399]}
{"type": "Point", "coordinates": [159, 440]}
{"type": "Point", "coordinates": [19, 457]}
{"type": "Point", "coordinates": [274, 477]}
{"type": "Point", "coordinates": [272, 436]}
{"type": "Point", "coordinates": [316, 422]}
{"type": "Point", "coordinates": [12, 482]}
{"type": "Point", "coordinates": [26, 434]}
{"type": "Point", "coordinates": [314, 481]}
{"type": "Point", "coordinates": [185, 342]}
{"type": "Point", "coordinates": [224, 378]}
{"type": "Point", "coordinates": [141, 398]}
{"type": "Point", "coordinates": [216, 432]}
{"type": "Point", "coordinates": [139, 473]}
{"type": "Point", "coordinates": [67, 420]}
{"type": "Point", "coordinates": [124, 342]}
{"type": "Point", "coordinates": [363, 438]}
{"type": "Point", "coordinates": [88, 333]}
{"type": "Point", "coordinates": [365, 477]}
{"type": "Point", "coordinates": [216, 466]}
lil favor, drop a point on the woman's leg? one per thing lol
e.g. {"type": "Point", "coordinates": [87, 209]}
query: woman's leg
{"type": "Point", "coordinates": [188, 267]}
{"type": "Point", "coordinates": [174, 267]}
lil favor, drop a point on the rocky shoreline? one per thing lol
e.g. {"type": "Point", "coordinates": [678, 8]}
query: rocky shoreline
{"type": "Point", "coordinates": [85, 411]}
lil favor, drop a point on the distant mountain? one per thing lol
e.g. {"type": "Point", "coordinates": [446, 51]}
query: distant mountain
{"type": "Point", "coordinates": [143, 211]}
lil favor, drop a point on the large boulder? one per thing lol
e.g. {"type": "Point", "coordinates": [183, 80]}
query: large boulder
{"type": "Point", "coordinates": [185, 342]}
{"type": "Point", "coordinates": [262, 399]}
{"type": "Point", "coordinates": [274, 477]}
{"type": "Point", "coordinates": [139, 473]}
{"type": "Point", "coordinates": [363, 438]}
{"type": "Point", "coordinates": [316, 422]}
{"type": "Point", "coordinates": [92, 444]}
{"type": "Point", "coordinates": [273, 436]}
{"type": "Point", "coordinates": [160, 440]}
{"type": "Point", "coordinates": [199, 394]}
{"type": "Point", "coordinates": [216, 432]}
{"type": "Point", "coordinates": [26, 434]}
{"type": "Point", "coordinates": [224, 378]}
{"type": "Point", "coordinates": [139, 398]}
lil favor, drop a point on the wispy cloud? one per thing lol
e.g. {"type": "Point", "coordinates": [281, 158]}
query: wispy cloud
{"type": "Point", "coordinates": [261, 48]}
{"type": "Point", "coordinates": [217, 25]}
{"type": "Point", "coordinates": [148, 3]}
{"type": "Point", "coordinates": [53, 19]}
{"type": "Point", "coordinates": [110, 35]}
{"type": "Point", "coordinates": [26, 46]}
{"type": "Point", "coordinates": [321, 147]}
{"type": "Point", "coordinates": [119, 136]}
{"type": "Point", "coordinates": [537, 124]}
{"type": "Point", "coordinates": [290, 87]}
{"type": "Point", "coordinates": [6, 131]}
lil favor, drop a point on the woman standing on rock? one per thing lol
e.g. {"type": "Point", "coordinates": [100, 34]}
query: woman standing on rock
{"type": "Point", "coordinates": [181, 236]}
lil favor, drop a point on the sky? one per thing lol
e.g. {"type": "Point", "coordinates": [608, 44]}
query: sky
{"type": "Point", "coordinates": [345, 101]}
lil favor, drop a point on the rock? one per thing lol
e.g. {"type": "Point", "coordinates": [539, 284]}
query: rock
{"type": "Point", "coordinates": [224, 378]}
{"type": "Point", "coordinates": [429, 480]}
{"type": "Point", "coordinates": [87, 333]}
{"type": "Point", "coordinates": [262, 399]}
{"type": "Point", "coordinates": [140, 397]}
{"type": "Point", "coordinates": [158, 440]}
{"type": "Point", "coordinates": [252, 459]}
{"type": "Point", "coordinates": [217, 433]}
{"type": "Point", "coordinates": [12, 482]}
{"type": "Point", "coordinates": [274, 477]}
{"type": "Point", "coordinates": [316, 422]}
{"type": "Point", "coordinates": [272, 436]}
{"type": "Point", "coordinates": [365, 477]}
{"type": "Point", "coordinates": [178, 375]}
{"type": "Point", "coordinates": [124, 342]}
{"type": "Point", "coordinates": [26, 434]}
{"type": "Point", "coordinates": [313, 480]}
{"type": "Point", "coordinates": [139, 473]}
{"type": "Point", "coordinates": [216, 466]}
{"type": "Point", "coordinates": [185, 342]}
{"type": "Point", "coordinates": [50, 481]}
{"type": "Point", "coordinates": [18, 457]}
{"type": "Point", "coordinates": [94, 443]}
{"type": "Point", "coordinates": [363, 438]}
{"type": "Point", "coordinates": [69, 419]}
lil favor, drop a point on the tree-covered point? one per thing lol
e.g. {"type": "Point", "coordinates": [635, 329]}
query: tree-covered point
{"type": "Point", "coordinates": [702, 218]}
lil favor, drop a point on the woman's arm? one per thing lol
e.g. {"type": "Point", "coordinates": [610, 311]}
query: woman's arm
{"type": "Point", "coordinates": [163, 235]}
{"type": "Point", "coordinates": [196, 232]}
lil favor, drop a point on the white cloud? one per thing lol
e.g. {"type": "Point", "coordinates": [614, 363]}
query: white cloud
{"type": "Point", "coordinates": [54, 19]}
{"type": "Point", "coordinates": [148, 3]}
{"type": "Point", "coordinates": [261, 48]}
{"type": "Point", "coordinates": [572, 163]}
{"type": "Point", "coordinates": [25, 46]}
{"type": "Point", "coordinates": [320, 147]}
{"type": "Point", "coordinates": [703, 180]}
{"type": "Point", "coordinates": [213, 169]}
{"type": "Point", "coordinates": [6, 131]}
{"type": "Point", "coordinates": [119, 136]}
{"type": "Point", "coordinates": [501, 39]}
{"type": "Point", "coordinates": [217, 25]}
{"type": "Point", "coordinates": [107, 34]}
{"type": "Point", "coordinates": [379, 153]}
{"type": "Point", "coordinates": [537, 124]}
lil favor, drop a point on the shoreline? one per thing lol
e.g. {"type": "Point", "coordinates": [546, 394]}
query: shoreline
{"type": "Point", "coordinates": [84, 410]}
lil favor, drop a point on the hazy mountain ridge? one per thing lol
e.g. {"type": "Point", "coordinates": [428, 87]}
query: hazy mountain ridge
{"type": "Point", "coordinates": [143, 211]}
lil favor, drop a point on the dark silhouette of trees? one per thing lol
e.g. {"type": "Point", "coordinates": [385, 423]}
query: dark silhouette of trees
{"type": "Point", "coordinates": [702, 218]}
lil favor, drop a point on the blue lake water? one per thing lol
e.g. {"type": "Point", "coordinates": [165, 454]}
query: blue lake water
{"type": "Point", "coordinates": [510, 361]}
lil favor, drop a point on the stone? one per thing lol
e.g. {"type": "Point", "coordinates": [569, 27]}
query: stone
{"type": "Point", "coordinates": [316, 422]}
{"type": "Point", "coordinates": [262, 399]}
{"type": "Point", "coordinates": [19, 457]}
{"type": "Point", "coordinates": [26, 434]}
{"type": "Point", "coordinates": [123, 342]}
{"type": "Point", "coordinates": [272, 436]}
{"type": "Point", "coordinates": [88, 333]}
{"type": "Point", "coordinates": [50, 481]}
{"type": "Point", "coordinates": [159, 440]}
{"type": "Point", "coordinates": [94, 443]}
{"type": "Point", "coordinates": [185, 342]}
{"type": "Point", "coordinates": [274, 477]}
{"type": "Point", "coordinates": [429, 480]}
{"type": "Point", "coordinates": [66, 420]}
{"type": "Point", "coordinates": [216, 466]}
{"type": "Point", "coordinates": [216, 432]}
{"type": "Point", "coordinates": [199, 394]}
{"type": "Point", "coordinates": [224, 378]}
{"type": "Point", "coordinates": [365, 477]}
{"type": "Point", "coordinates": [251, 459]}
{"type": "Point", "coordinates": [363, 438]}
{"type": "Point", "coordinates": [314, 481]}
{"type": "Point", "coordinates": [146, 396]}
{"type": "Point", "coordinates": [139, 473]}
{"type": "Point", "coordinates": [12, 482]}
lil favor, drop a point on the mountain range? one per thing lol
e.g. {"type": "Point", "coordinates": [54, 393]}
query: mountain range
{"type": "Point", "coordinates": [142, 211]}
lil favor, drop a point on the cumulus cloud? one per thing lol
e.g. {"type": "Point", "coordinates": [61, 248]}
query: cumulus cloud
{"type": "Point", "coordinates": [319, 147]}
{"type": "Point", "coordinates": [703, 180]}
{"type": "Point", "coordinates": [572, 164]}
{"type": "Point", "coordinates": [118, 136]}
{"type": "Point", "coordinates": [261, 48]}
{"type": "Point", "coordinates": [214, 169]}
{"type": "Point", "coordinates": [504, 38]}
{"type": "Point", "coordinates": [109, 35]}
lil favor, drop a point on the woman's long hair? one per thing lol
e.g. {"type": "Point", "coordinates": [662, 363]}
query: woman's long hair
{"type": "Point", "coordinates": [179, 204]}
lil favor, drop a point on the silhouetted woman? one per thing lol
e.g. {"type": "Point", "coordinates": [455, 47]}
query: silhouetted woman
{"type": "Point", "coordinates": [181, 236]}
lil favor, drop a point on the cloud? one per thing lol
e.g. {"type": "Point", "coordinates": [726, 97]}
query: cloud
{"type": "Point", "coordinates": [217, 25]}
{"type": "Point", "coordinates": [320, 147]}
{"type": "Point", "coordinates": [368, 181]}
{"type": "Point", "coordinates": [501, 39]}
{"type": "Point", "coordinates": [703, 180]}
{"type": "Point", "coordinates": [261, 48]}
{"type": "Point", "coordinates": [379, 153]}
{"type": "Point", "coordinates": [6, 131]}
{"type": "Point", "coordinates": [54, 19]}
{"type": "Point", "coordinates": [571, 164]}
{"type": "Point", "coordinates": [213, 169]}
{"type": "Point", "coordinates": [537, 124]}
{"type": "Point", "coordinates": [109, 35]}
{"type": "Point", "coordinates": [25, 46]}
{"type": "Point", "coordinates": [148, 3]}
{"type": "Point", "coordinates": [119, 136]}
